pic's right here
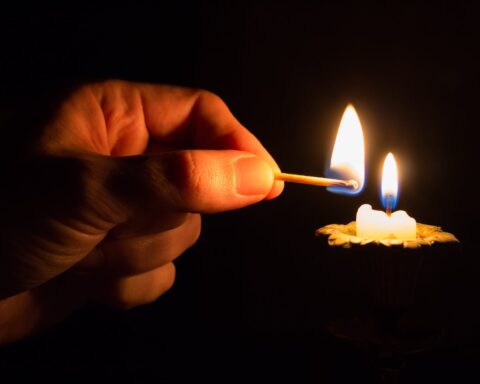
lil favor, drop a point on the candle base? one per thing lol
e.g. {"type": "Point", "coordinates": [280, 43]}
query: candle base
{"type": "Point", "coordinates": [389, 297]}
{"type": "Point", "coordinates": [346, 236]}
{"type": "Point", "coordinates": [389, 273]}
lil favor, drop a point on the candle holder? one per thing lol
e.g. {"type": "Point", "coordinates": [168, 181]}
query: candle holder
{"type": "Point", "coordinates": [389, 295]}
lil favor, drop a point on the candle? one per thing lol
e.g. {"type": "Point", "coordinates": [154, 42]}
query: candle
{"type": "Point", "coordinates": [380, 225]}
{"type": "Point", "coordinates": [383, 265]}
{"type": "Point", "coordinates": [372, 226]}
{"type": "Point", "coordinates": [377, 225]}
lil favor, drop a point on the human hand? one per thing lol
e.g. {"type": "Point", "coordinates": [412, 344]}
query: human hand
{"type": "Point", "coordinates": [112, 192]}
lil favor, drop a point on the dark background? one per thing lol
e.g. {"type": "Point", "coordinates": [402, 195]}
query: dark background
{"type": "Point", "coordinates": [249, 303]}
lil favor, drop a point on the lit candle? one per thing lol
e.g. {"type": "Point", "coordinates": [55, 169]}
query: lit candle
{"type": "Point", "coordinates": [384, 264]}
{"type": "Point", "coordinates": [372, 226]}
{"type": "Point", "coordinates": [379, 225]}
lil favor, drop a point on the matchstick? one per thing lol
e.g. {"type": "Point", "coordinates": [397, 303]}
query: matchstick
{"type": "Point", "coordinates": [318, 181]}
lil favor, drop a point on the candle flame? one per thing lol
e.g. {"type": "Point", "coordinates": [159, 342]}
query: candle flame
{"type": "Point", "coordinates": [389, 182]}
{"type": "Point", "coordinates": [348, 157]}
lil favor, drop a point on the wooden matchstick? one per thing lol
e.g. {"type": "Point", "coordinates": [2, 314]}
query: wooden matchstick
{"type": "Point", "coordinates": [318, 181]}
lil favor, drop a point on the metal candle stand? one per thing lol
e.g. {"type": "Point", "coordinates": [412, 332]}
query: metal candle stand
{"type": "Point", "coordinates": [390, 297]}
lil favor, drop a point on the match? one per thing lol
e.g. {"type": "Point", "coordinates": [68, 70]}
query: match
{"type": "Point", "coordinates": [318, 181]}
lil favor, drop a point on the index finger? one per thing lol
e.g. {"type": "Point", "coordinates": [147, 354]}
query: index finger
{"type": "Point", "coordinates": [185, 118]}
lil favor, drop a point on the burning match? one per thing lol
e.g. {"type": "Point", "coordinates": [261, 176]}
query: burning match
{"type": "Point", "coordinates": [318, 181]}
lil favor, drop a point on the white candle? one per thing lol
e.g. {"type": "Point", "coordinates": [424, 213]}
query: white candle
{"type": "Point", "coordinates": [373, 224]}
{"type": "Point", "coordinates": [379, 225]}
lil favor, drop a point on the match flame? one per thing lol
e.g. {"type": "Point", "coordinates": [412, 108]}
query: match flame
{"type": "Point", "coordinates": [389, 182]}
{"type": "Point", "coordinates": [348, 157]}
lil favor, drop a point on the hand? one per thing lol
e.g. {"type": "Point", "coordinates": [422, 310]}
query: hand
{"type": "Point", "coordinates": [111, 193]}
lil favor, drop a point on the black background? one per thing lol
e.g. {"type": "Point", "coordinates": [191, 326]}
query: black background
{"type": "Point", "coordinates": [249, 303]}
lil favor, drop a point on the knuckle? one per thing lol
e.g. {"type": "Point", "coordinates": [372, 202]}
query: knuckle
{"type": "Point", "coordinates": [209, 96]}
{"type": "Point", "coordinates": [211, 99]}
{"type": "Point", "coordinates": [197, 229]}
{"type": "Point", "coordinates": [88, 188]}
{"type": "Point", "coordinates": [160, 287]}
{"type": "Point", "coordinates": [193, 181]}
{"type": "Point", "coordinates": [183, 173]}
{"type": "Point", "coordinates": [146, 290]}
{"type": "Point", "coordinates": [168, 278]}
{"type": "Point", "coordinates": [176, 179]}
{"type": "Point", "coordinates": [185, 239]}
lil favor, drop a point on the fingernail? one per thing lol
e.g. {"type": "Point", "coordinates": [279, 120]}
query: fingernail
{"type": "Point", "coordinates": [253, 176]}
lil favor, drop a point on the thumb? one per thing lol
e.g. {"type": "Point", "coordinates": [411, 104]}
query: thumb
{"type": "Point", "coordinates": [201, 181]}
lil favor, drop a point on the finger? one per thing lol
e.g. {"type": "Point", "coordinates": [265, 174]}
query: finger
{"type": "Point", "coordinates": [40, 308]}
{"type": "Point", "coordinates": [199, 181]}
{"type": "Point", "coordinates": [140, 254]}
{"type": "Point", "coordinates": [129, 292]}
{"type": "Point", "coordinates": [175, 116]}
{"type": "Point", "coordinates": [182, 116]}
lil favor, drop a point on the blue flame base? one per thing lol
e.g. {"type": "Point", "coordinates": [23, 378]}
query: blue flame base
{"type": "Point", "coordinates": [344, 174]}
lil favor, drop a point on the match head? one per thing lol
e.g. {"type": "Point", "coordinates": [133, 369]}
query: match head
{"type": "Point", "coordinates": [353, 184]}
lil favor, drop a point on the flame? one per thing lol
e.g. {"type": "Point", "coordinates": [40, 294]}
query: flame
{"type": "Point", "coordinates": [389, 182]}
{"type": "Point", "coordinates": [348, 157]}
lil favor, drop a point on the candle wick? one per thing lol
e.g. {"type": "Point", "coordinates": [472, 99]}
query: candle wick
{"type": "Point", "coordinates": [389, 204]}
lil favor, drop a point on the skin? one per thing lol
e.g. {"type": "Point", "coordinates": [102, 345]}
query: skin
{"type": "Point", "coordinates": [110, 193]}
